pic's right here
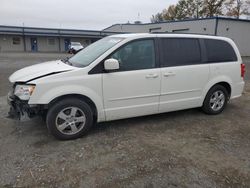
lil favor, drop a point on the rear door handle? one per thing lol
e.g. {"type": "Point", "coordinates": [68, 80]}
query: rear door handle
{"type": "Point", "coordinates": [168, 74]}
{"type": "Point", "coordinates": [152, 76]}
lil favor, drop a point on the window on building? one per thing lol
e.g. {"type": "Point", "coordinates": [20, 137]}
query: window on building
{"type": "Point", "coordinates": [51, 41]}
{"type": "Point", "coordinates": [16, 40]}
{"type": "Point", "coordinates": [219, 51]}
{"type": "Point", "coordinates": [136, 55]}
{"type": "Point", "coordinates": [180, 30]}
{"type": "Point", "coordinates": [180, 52]}
{"type": "Point", "coordinates": [151, 30]}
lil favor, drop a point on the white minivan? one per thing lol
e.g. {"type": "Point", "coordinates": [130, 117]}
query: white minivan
{"type": "Point", "coordinates": [129, 75]}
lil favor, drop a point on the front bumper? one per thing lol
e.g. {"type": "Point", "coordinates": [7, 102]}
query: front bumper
{"type": "Point", "coordinates": [20, 109]}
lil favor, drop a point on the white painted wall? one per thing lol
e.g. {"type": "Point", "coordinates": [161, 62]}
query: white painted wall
{"type": "Point", "coordinates": [44, 46]}
{"type": "Point", "coordinates": [190, 26]}
{"type": "Point", "coordinates": [6, 44]}
{"type": "Point", "coordinates": [238, 31]}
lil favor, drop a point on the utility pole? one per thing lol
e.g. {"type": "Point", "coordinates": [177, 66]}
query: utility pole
{"type": "Point", "coordinates": [24, 40]}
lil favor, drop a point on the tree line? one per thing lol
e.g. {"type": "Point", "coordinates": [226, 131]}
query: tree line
{"type": "Point", "coordinates": [185, 9]}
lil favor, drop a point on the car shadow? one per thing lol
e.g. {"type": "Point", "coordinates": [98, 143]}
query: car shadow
{"type": "Point", "coordinates": [146, 121]}
{"type": "Point", "coordinates": [170, 120]}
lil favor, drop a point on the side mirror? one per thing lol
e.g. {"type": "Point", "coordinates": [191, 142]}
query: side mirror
{"type": "Point", "coordinates": [111, 65]}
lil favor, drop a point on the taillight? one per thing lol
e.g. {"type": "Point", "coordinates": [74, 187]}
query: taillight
{"type": "Point", "coordinates": [243, 70]}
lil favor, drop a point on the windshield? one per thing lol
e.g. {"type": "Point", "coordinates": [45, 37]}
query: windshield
{"type": "Point", "coordinates": [93, 51]}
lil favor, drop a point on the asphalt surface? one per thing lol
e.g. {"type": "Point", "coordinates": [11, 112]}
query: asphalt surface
{"type": "Point", "coordinates": [178, 149]}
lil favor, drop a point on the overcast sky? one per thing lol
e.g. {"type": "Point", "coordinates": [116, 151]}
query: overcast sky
{"type": "Point", "coordinates": [78, 14]}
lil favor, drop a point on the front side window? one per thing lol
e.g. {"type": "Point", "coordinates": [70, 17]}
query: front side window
{"type": "Point", "coordinates": [180, 52]}
{"type": "Point", "coordinates": [136, 55]}
{"type": "Point", "coordinates": [93, 51]}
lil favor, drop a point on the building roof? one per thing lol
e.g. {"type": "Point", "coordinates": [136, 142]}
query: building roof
{"type": "Point", "coordinates": [184, 20]}
{"type": "Point", "coordinates": [56, 32]}
{"type": "Point", "coordinates": [35, 31]}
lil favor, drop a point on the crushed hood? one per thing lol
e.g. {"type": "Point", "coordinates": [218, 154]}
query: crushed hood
{"type": "Point", "coordinates": [36, 71]}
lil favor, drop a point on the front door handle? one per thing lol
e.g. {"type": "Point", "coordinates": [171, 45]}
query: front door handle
{"type": "Point", "coordinates": [168, 74]}
{"type": "Point", "coordinates": [152, 76]}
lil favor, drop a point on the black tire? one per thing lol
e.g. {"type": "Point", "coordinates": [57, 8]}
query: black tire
{"type": "Point", "coordinates": [52, 118]}
{"type": "Point", "coordinates": [207, 108]}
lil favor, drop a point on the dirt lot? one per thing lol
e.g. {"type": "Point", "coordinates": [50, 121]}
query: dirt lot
{"type": "Point", "coordinates": [179, 149]}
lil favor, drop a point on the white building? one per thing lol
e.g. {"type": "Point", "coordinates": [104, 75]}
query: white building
{"type": "Point", "coordinates": [236, 29]}
{"type": "Point", "coordinates": [30, 39]}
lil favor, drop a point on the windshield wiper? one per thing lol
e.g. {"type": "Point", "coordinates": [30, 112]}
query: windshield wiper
{"type": "Point", "coordinates": [66, 61]}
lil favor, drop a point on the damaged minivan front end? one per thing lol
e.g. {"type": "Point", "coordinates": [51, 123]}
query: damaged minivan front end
{"type": "Point", "coordinates": [18, 99]}
{"type": "Point", "coordinates": [22, 88]}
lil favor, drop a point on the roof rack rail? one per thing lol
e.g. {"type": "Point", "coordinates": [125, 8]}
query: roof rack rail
{"type": "Point", "coordinates": [181, 33]}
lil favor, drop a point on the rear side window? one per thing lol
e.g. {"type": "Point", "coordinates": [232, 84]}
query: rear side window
{"type": "Point", "coordinates": [219, 51]}
{"type": "Point", "coordinates": [180, 52]}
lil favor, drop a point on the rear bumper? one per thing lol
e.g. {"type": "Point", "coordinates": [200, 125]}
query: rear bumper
{"type": "Point", "coordinates": [20, 110]}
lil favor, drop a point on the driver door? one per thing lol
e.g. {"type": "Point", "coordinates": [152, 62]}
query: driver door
{"type": "Point", "coordinates": [134, 89]}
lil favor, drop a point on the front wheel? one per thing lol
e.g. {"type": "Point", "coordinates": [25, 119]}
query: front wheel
{"type": "Point", "coordinates": [69, 119]}
{"type": "Point", "coordinates": [216, 100]}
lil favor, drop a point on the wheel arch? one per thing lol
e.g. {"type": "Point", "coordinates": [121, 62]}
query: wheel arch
{"type": "Point", "coordinates": [227, 86]}
{"type": "Point", "coordinates": [78, 96]}
{"type": "Point", "coordinates": [227, 83]}
{"type": "Point", "coordinates": [52, 94]}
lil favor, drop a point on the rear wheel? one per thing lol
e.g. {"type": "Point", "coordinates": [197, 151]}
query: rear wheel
{"type": "Point", "coordinates": [69, 119]}
{"type": "Point", "coordinates": [216, 100]}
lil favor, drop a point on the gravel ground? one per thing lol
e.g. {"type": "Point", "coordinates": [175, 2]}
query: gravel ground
{"type": "Point", "coordinates": [178, 149]}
